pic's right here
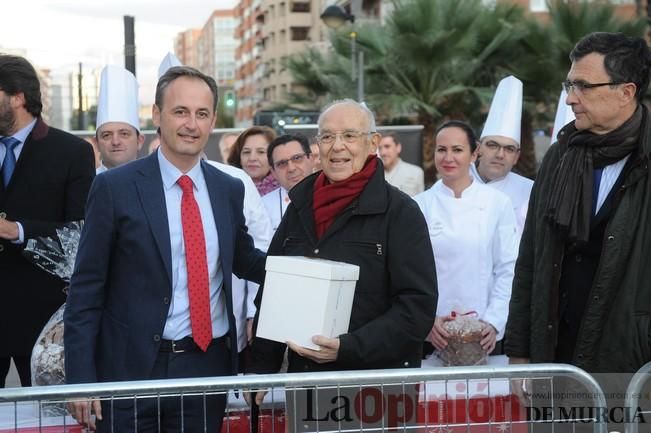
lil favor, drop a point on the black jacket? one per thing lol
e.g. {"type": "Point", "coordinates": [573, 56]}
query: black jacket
{"type": "Point", "coordinates": [383, 232]}
{"type": "Point", "coordinates": [48, 187]}
{"type": "Point", "coordinates": [614, 332]}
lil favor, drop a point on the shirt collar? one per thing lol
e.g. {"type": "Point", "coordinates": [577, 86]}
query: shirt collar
{"type": "Point", "coordinates": [446, 190]}
{"type": "Point", "coordinates": [22, 134]}
{"type": "Point", "coordinates": [170, 174]}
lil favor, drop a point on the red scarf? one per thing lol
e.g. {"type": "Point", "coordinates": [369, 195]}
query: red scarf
{"type": "Point", "coordinates": [332, 198]}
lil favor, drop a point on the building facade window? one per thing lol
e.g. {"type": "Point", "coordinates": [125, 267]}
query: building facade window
{"type": "Point", "coordinates": [300, 6]}
{"type": "Point", "coordinates": [300, 33]}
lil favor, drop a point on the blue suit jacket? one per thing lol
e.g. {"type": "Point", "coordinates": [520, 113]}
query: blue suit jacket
{"type": "Point", "coordinates": [121, 288]}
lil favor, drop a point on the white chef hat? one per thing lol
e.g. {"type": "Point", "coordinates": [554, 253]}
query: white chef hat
{"type": "Point", "coordinates": [118, 97]}
{"type": "Point", "coordinates": [564, 115]}
{"type": "Point", "coordinates": [169, 61]}
{"type": "Point", "coordinates": [505, 113]}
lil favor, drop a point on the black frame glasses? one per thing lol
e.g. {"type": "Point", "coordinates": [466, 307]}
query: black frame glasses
{"type": "Point", "coordinates": [580, 86]}
{"type": "Point", "coordinates": [296, 159]}
{"type": "Point", "coordinates": [508, 149]}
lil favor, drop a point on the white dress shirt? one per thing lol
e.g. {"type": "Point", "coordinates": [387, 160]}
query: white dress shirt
{"type": "Point", "coordinates": [474, 239]}
{"type": "Point", "coordinates": [259, 227]}
{"type": "Point", "coordinates": [608, 178]}
{"type": "Point", "coordinates": [276, 203]}
{"type": "Point", "coordinates": [178, 323]}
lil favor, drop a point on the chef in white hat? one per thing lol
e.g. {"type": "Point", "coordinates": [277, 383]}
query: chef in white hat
{"type": "Point", "coordinates": [499, 148]}
{"type": "Point", "coordinates": [118, 126]}
{"type": "Point", "coordinates": [169, 61]}
{"type": "Point", "coordinates": [564, 115]}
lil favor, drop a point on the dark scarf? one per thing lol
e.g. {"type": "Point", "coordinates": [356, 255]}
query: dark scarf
{"type": "Point", "coordinates": [332, 198]}
{"type": "Point", "coordinates": [570, 204]}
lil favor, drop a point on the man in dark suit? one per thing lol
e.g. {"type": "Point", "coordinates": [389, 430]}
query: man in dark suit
{"type": "Point", "coordinates": [45, 177]}
{"type": "Point", "coordinates": [150, 297]}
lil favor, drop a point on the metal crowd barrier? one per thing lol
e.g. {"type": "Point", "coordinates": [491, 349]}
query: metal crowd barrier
{"type": "Point", "coordinates": [426, 400]}
{"type": "Point", "coordinates": [632, 401]}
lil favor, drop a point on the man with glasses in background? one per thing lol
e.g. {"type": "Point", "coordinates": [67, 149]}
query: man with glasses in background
{"type": "Point", "coordinates": [582, 287]}
{"type": "Point", "coordinates": [349, 213]}
{"type": "Point", "coordinates": [499, 148]}
{"type": "Point", "coordinates": [291, 161]}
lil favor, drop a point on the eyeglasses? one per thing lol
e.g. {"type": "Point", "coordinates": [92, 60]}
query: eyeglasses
{"type": "Point", "coordinates": [284, 163]}
{"type": "Point", "coordinates": [348, 137]}
{"type": "Point", "coordinates": [509, 149]}
{"type": "Point", "coordinates": [580, 86]}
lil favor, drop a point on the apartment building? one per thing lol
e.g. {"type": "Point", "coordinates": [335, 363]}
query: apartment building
{"type": "Point", "coordinates": [186, 47]}
{"type": "Point", "coordinates": [290, 26]}
{"type": "Point", "coordinates": [216, 47]}
{"type": "Point", "coordinates": [248, 68]}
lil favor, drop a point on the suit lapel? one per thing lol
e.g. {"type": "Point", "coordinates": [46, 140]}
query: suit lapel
{"type": "Point", "coordinates": [22, 164]}
{"type": "Point", "coordinates": [152, 197]}
{"type": "Point", "coordinates": [221, 210]}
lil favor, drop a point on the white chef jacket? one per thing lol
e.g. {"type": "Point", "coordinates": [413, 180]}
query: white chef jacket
{"type": "Point", "coordinates": [475, 243]}
{"type": "Point", "coordinates": [517, 187]}
{"type": "Point", "coordinates": [276, 203]}
{"type": "Point", "coordinates": [259, 225]}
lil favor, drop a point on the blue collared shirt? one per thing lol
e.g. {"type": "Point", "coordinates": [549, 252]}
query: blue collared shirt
{"type": "Point", "coordinates": [178, 323]}
{"type": "Point", "coordinates": [21, 136]}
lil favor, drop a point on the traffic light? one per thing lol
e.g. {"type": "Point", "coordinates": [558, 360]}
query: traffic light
{"type": "Point", "coordinates": [229, 99]}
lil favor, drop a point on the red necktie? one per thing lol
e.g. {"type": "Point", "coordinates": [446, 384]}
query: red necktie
{"type": "Point", "coordinates": [197, 266]}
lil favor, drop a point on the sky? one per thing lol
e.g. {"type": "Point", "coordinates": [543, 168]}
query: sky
{"type": "Point", "coordinates": [58, 34]}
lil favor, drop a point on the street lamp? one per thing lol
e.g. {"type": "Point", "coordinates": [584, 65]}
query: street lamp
{"type": "Point", "coordinates": [334, 17]}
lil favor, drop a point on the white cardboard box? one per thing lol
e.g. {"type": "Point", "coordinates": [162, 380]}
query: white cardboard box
{"type": "Point", "coordinates": [304, 297]}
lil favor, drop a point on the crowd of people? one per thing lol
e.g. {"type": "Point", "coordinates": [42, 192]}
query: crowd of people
{"type": "Point", "coordinates": [169, 273]}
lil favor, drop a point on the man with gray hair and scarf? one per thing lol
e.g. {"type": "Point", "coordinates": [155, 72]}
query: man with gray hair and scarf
{"type": "Point", "coordinates": [582, 286]}
{"type": "Point", "coordinates": [348, 212]}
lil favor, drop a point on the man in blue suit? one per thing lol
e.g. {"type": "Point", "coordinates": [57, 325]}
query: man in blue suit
{"type": "Point", "coordinates": [150, 297]}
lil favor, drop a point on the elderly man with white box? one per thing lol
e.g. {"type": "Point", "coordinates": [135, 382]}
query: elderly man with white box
{"type": "Point", "coordinates": [348, 213]}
